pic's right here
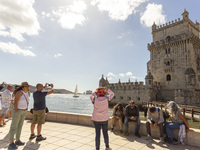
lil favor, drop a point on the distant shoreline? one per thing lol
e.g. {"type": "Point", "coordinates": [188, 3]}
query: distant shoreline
{"type": "Point", "coordinates": [33, 89]}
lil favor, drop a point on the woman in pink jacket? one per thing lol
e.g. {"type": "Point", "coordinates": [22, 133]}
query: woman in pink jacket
{"type": "Point", "coordinates": [100, 115]}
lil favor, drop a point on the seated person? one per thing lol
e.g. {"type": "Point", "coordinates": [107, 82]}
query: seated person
{"type": "Point", "coordinates": [118, 114]}
{"type": "Point", "coordinates": [176, 118]}
{"type": "Point", "coordinates": [154, 119]}
{"type": "Point", "coordinates": [132, 114]}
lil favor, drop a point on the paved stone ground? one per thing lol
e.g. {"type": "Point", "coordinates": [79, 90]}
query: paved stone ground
{"type": "Point", "coordinates": [75, 137]}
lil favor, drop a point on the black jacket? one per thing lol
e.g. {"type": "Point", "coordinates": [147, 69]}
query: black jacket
{"type": "Point", "coordinates": [131, 112]}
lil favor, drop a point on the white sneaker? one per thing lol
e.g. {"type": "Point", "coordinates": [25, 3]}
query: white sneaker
{"type": "Point", "coordinates": [149, 138]}
{"type": "Point", "coordinates": [108, 148]}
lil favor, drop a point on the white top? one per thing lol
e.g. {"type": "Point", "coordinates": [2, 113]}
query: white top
{"type": "Point", "coordinates": [6, 97]}
{"type": "Point", "coordinates": [22, 103]}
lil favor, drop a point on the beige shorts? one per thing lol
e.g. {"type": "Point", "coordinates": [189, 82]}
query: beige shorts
{"type": "Point", "coordinates": [38, 116]}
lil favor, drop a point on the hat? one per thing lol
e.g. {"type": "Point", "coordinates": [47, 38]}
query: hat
{"type": "Point", "coordinates": [100, 92]}
{"type": "Point", "coordinates": [25, 84]}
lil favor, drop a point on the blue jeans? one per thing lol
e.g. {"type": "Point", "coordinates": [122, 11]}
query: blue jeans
{"type": "Point", "coordinates": [98, 126]}
{"type": "Point", "coordinates": [170, 126]}
{"type": "Point", "coordinates": [137, 124]}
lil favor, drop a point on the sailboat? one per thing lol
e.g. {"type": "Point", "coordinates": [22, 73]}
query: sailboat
{"type": "Point", "coordinates": [75, 93]}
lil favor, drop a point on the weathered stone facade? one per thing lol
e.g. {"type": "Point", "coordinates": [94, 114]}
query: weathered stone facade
{"type": "Point", "coordinates": [173, 72]}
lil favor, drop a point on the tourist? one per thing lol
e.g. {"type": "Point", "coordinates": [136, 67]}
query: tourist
{"type": "Point", "coordinates": [154, 119]}
{"type": "Point", "coordinates": [5, 103]}
{"type": "Point", "coordinates": [2, 85]}
{"type": "Point", "coordinates": [19, 111]}
{"type": "Point", "coordinates": [100, 115]}
{"type": "Point", "coordinates": [39, 109]}
{"type": "Point", "coordinates": [118, 114]}
{"type": "Point", "coordinates": [132, 114]}
{"type": "Point", "coordinates": [176, 120]}
{"type": "Point", "coordinates": [12, 101]}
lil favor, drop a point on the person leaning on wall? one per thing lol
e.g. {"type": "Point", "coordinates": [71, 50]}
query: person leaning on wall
{"type": "Point", "coordinates": [118, 115]}
{"type": "Point", "coordinates": [154, 119]}
{"type": "Point", "coordinates": [132, 115]}
{"type": "Point", "coordinates": [176, 120]}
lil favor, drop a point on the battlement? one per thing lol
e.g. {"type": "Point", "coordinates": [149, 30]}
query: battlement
{"type": "Point", "coordinates": [131, 85]}
{"type": "Point", "coordinates": [167, 25]}
{"type": "Point", "coordinates": [175, 22]}
{"type": "Point", "coordinates": [174, 39]}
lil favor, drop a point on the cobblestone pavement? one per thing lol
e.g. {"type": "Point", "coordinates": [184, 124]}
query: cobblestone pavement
{"type": "Point", "coordinates": [62, 136]}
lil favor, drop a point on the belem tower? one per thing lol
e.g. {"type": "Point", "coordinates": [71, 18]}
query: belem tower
{"type": "Point", "coordinates": [173, 71]}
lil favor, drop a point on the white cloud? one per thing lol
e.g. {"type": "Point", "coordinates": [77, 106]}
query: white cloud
{"type": "Point", "coordinates": [14, 49]}
{"type": "Point", "coordinates": [129, 74]}
{"type": "Point", "coordinates": [110, 74]}
{"type": "Point", "coordinates": [121, 75]}
{"type": "Point", "coordinates": [122, 35]}
{"type": "Point", "coordinates": [72, 15]}
{"type": "Point", "coordinates": [133, 77]}
{"type": "Point", "coordinates": [153, 13]}
{"type": "Point", "coordinates": [46, 14]}
{"type": "Point", "coordinates": [110, 78]}
{"type": "Point", "coordinates": [18, 17]}
{"type": "Point", "coordinates": [118, 9]}
{"type": "Point", "coordinates": [57, 55]}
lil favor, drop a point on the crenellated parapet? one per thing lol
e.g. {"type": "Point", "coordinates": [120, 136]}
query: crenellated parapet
{"type": "Point", "coordinates": [131, 85]}
{"type": "Point", "coordinates": [177, 39]}
{"type": "Point", "coordinates": [176, 22]}
{"type": "Point", "coordinates": [156, 28]}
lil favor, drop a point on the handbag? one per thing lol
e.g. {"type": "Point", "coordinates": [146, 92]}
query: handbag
{"type": "Point", "coordinates": [46, 110]}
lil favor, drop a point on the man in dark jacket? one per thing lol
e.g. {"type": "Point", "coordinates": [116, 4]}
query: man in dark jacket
{"type": "Point", "coordinates": [132, 114]}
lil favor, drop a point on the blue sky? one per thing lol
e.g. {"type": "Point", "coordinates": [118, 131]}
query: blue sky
{"type": "Point", "coordinates": [75, 42]}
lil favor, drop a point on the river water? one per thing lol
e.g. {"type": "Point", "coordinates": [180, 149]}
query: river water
{"type": "Point", "coordinates": [67, 103]}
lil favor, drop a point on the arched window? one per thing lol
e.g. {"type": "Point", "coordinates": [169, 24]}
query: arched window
{"type": "Point", "coordinates": [121, 97]}
{"type": "Point", "coordinates": [149, 82]}
{"type": "Point", "coordinates": [168, 77]}
{"type": "Point", "coordinates": [169, 51]}
{"type": "Point", "coordinates": [168, 38]}
{"type": "Point", "coordinates": [128, 98]}
{"type": "Point", "coordinates": [168, 63]}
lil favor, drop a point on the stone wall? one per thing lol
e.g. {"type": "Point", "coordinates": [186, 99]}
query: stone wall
{"type": "Point", "coordinates": [192, 137]}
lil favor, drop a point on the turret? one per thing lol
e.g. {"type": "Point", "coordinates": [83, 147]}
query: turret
{"type": "Point", "coordinates": [185, 15]}
{"type": "Point", "coordinates": [119, 83]}
{"type": "Point", "coordinates": [149, 80]}
{"type": "Point", "coordinates": [153, 26]}
{"type": "Point", "coordinates": [102, 81]}
{"type": "Point", "coordinates": [107, 81]}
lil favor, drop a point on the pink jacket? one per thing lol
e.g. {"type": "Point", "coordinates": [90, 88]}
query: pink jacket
{"type": "Point", "coordinates": [101, 111]}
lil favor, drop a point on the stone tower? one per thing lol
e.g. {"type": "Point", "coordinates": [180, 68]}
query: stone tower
{"type": "Point", "coordinates": [175, 59]}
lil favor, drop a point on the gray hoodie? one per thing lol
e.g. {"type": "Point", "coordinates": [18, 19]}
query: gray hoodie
{"type": "Point", "coordinates": [157, 116]}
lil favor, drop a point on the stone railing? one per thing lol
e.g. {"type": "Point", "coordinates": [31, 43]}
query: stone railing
{"type": "Point", "coordinates": [192, 137]}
